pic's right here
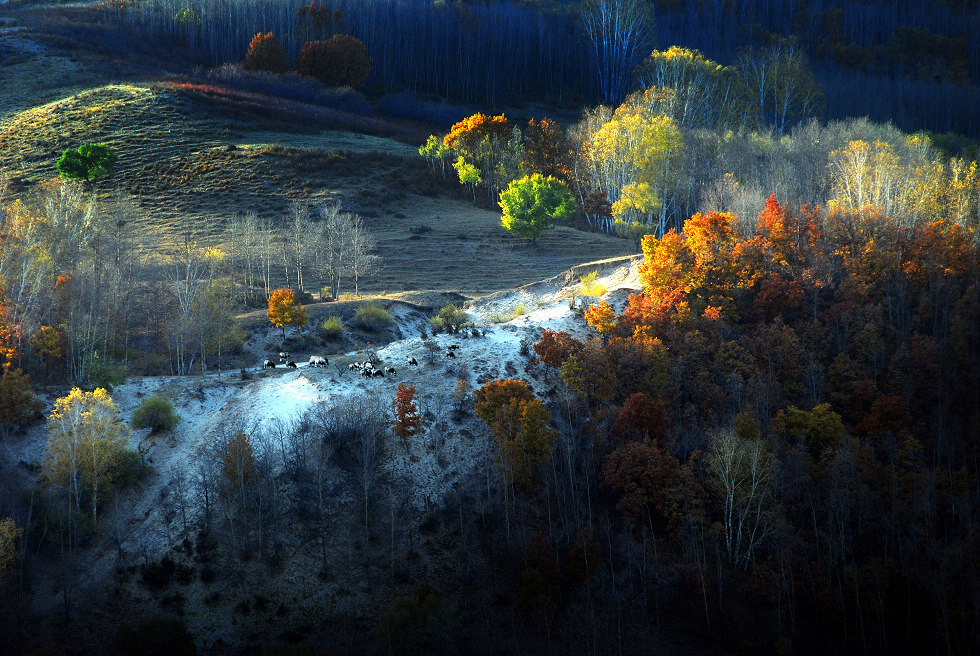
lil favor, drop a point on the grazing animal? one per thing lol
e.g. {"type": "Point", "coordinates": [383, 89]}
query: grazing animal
{"type": "Point", "coordinates": [450, 354]}
{"type": "Point", "coordinates": [291, 364]}
{"type": "Point", "coordinates": [412, 361]}
{"type": "Point", "coordinates": [377, 372]}
{"type": "Point", "coordinates": [389, 371]}
{"type": "Point", "coordinates": [283, 356]}
{"type": "Point", "coordinates": [453, 347]}
{"type": "Point", "coordinates": [354, 366]}
{"type": "Point", "coordinates": [268, 364]}
{"type": "Point", "coordinates": [318, 361]}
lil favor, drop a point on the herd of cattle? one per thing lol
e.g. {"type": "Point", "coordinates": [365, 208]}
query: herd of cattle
{"type": "Point", "coordinates": [366, 368]}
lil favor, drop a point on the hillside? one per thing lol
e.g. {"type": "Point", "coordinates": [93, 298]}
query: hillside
{"type": "Point", "coordinates": [759, 436]}
{"type": "Point", "coordinates": [421, 484]}
{"type": "Point", "coordinates": [188, 171]}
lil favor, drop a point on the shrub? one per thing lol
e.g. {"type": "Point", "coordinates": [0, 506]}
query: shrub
{"type": "Point", "coordinates": [90, 161]}
{"type": "Point", "coordinates": [373, 317]}
{"type": "Point", "coordinates": [450, 319]}
{"type": "Point", "coordinates": [341, 60]}
{"type": "Point", "coordinates": [332, 326]}
{"type": "Point", "coordinates": [590, 287]}
{"type": "Point", "coordinates": [104, 372]}
{"type": "Point", "coordinates": [128, 468]}
{"type": "Point", "coordinates": [157, 413]}
{"type": "Point", "coordinates": [265, 53]}
{"type": "Point", "coordinates": [291, 86]}
{"type": "Point", "coordinates": [18, 405]}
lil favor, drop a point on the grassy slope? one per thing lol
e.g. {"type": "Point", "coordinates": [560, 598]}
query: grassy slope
{"type": "Point", "coordinates": [183, 162]}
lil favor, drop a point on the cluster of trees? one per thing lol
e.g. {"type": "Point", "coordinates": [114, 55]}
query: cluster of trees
{"type": "Point", "coordinates": [914, 65]}
{"type": "Point", "coordinates": [489, 152]}
{"type": "Point", "coordinates": [797, 403]}
{"type": "Point", "coordinates": [321, 248]}
{"type": "Point", "coordinates": [768, 447]}
{"type": "Point", "coordinates": [695, 138]}
{"type": "Point", "coordinates": [81, 298]}
{"type": "Point", "coordinates": [340, 60]}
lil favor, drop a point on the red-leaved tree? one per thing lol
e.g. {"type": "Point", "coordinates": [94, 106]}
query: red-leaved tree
{"type": "Point", "coordinates": [407, 420]}
{"type": "Point", "coordinates": [265, 53]}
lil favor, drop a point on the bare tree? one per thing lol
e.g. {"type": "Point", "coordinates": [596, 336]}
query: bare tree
{"type": "Point", "coordinates": [779, 85]}
{"type": "Point", "coordinates": [360, 258]}
{"type": "Point", "coordinates": [245, 249]}
{"type": "Point", "coordinates": [621, 33]}
{"type": "Point", "coordinates": [188, 272]}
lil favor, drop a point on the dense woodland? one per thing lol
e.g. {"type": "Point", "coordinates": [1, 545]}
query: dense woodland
{"type": "Point", "coordinates": [915, 64]}
{"type": "Point", "coordinates": [771, 447]}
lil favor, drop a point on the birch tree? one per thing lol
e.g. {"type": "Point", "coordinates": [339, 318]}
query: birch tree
{"type": "Point", "coordinates": [188, 272]}
{"type": "Point", "coordinates": [742, 475]}
{"type": "Point", "coordinates": [87, 437]}
{"type": "Point", "coordinates": [621, 33]}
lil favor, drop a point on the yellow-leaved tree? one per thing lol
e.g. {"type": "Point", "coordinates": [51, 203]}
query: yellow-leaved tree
{"type": "Point", "coordinates": [86, 439]}
{"type": "Point", "coordinates": [703, 92]}
{"type": "Point", "coordinates": [636, 158]}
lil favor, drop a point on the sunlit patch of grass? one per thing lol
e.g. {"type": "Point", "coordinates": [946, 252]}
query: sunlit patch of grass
{"type": "Point", "coordinates": [589, 285]}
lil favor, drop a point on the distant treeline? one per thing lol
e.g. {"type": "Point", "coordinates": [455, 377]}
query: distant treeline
{"type": "Point", "coordinates": [914, 63]}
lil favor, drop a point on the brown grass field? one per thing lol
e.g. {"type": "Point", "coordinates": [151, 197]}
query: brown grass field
{"type": "Point", "coordinates": [192, 155]}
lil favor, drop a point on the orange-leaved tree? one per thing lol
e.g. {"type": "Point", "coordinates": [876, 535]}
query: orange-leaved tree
{"type": "Point", "coordinates": [475, 135]}
{"type": "Point", "coordinates": [9, 334]}
{"type": "Point", "coordinates": [555, 347]}
{"type": "Point", "coordinates": [407, 420]}
{"type": "Point", "coordinates": [285, 311]}
{"type": "Point", "coordinates": [487, 146]}
{"type": "Point", "coordinates": [546, 149]}
{"type": "Point", "coordinates": [640, 473]}
{"type": "Point", "coordinates": [265, 53]}
{"type": "Point", "coordinates": [602, 318]}
{"type": "Point", "coordinates": [641, 418]}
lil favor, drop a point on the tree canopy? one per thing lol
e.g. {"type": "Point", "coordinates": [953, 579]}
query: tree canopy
{"type": "Point", "coordinates": [88, 162]}
{"type": "Point", "coordinates": [285, 311]}
{"type": "Point", "coordinates": [534, 203]}
{"type": "Point", "coordinates": [265, 53]}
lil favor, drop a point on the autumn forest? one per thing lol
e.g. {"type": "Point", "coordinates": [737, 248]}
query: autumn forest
{"type": "Point", "coordinates": [766, 441]}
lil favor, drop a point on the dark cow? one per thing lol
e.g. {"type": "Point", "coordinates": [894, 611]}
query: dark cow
{"type": "Point", "coordinates": [389, 371]}
{"type": "Point", "coordinates": [291, 364]}
{"type": "Point", "coordinates": [412, 362]}
{"type": "Point", "coordinates": [268, 364]}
